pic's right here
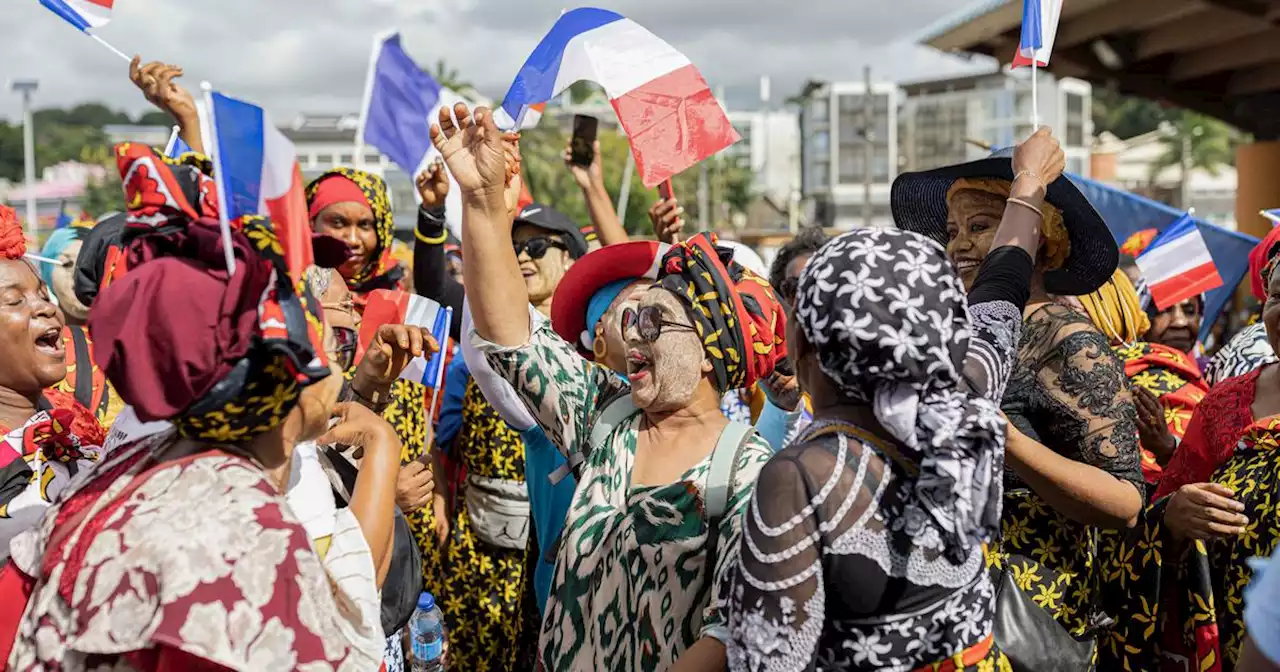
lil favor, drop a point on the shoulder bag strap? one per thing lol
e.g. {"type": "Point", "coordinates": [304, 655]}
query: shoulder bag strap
{"type": "Point", "coordinates": [724, 467]}
{"type": "Point", "coordinates": [615, 413]}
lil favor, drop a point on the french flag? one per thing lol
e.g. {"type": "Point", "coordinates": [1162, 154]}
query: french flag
{"type": "Point", "coordinates": [393, 306]}
{"type": "Point", "coordinates": [401, 103]}
{"type": "Point", "coordinates": [83, 14]}
{"type": "Point", "coordinates": [1039, 27]}
{"type": "Point", "coordinates": [670, 116]}
{"type": "Point", "coordinates": [1177, 265]}
{"type": "Point", "coordinates": [176, 147]}
{"type": "Point", "coordinates": [257, 174]}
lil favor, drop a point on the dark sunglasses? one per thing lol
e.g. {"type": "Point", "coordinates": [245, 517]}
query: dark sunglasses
{"type": "Point", "coordinates": [648, 322]}
{"type": "Point", "coordinates": [345, 343]}
{"type": "Point", "coordinates": [537, 247]}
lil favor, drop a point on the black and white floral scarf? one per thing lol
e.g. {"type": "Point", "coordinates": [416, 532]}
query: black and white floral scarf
{"type": "Point", "coordinates": [886, 315]}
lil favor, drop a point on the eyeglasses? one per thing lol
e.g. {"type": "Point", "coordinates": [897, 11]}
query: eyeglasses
{"type": "Point", "coordinates": [343, 346]}
{"type": "Point", "coordinates": [537, 247]}
{"type": "Point", "coordinates": [648, 322]}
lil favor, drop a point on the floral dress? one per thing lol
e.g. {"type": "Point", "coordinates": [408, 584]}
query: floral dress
{"type": "Point", "coordinates": [633, 586]}
{"type": "Point", "coordinates": [1174, 378]}
{"type": "Point", "coordinates": [128, 573]}
{"type": "Point", "coordinates": [1069, 392]}
{"type": "Point", "coordinates": [483, 600]}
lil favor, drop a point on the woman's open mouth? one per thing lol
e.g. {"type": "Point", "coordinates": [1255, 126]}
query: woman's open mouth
{"type": "Point", "coordinates": [965, 265]}
{"type": "Point", "coordinates": [637, 365]}
{"type": "Point", "coordinates": [50, 343]}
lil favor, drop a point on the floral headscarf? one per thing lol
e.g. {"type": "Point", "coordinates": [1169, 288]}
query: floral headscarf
{"type": "Point", "coordinates": [888, 320]}
{"type": "Point", "coordinates": [234, 364]}
{"type": "Point", "coordinates": [382, 271]}
{"type": "Point", "coordinates": [741, 324]}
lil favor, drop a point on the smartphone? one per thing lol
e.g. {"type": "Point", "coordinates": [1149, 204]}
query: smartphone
{"type": "Point", "coordinates": [582, 146]}
{"type": "Point", "coordinates": [665, 190]}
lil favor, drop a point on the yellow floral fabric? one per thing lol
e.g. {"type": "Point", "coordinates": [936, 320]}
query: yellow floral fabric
{"type": "Point", "coordinates": [491, 624]}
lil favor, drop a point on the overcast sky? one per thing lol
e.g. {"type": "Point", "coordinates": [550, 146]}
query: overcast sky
{"type": "Point", "coordinates": [312, 55]}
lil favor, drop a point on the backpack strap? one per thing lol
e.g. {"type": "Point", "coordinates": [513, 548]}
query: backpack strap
{"type": "Point", "coordinates": [615, 413]}
{"type": "Point", "coordinates": [84, 368]}
{"type": "Point", "coordinates": [724, 467]}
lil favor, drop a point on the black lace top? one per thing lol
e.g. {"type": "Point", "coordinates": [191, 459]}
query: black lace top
{"type": "Point", "coordinates": [1069, 392]}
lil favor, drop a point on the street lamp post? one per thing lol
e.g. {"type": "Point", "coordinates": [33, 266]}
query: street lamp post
{"type": "Point", "coordinates": [27, 87]}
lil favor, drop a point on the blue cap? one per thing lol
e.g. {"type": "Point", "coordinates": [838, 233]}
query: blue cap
{"type": "Point", "coordinates": [426, 602]}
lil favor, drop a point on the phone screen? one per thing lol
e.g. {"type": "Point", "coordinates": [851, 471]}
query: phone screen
{"type": "Point", "coordinates": [581, 147]}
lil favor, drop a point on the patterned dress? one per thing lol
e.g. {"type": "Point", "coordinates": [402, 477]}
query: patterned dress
{"type": "Point", "coordinates": [1249, 350]}
{"type": "Point", "coordinates": [1174, 378]}
{"type": "Point", "coordinates": [1068, 391]}
{"type": "Point", "coordinates": [483, 600]}
{"type": "Point", "coordinates": [633, 586]}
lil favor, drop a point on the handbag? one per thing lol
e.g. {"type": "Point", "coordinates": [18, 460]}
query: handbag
{"type": "Point", "coordinates": [1032, 639]}
{"type": "Point", "coordinates": [499, 511]}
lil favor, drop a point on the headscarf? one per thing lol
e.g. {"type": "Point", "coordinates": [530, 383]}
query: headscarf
{"type": "Point", "coordinates": [888, 320]}
{"type": "Point", "coordinates": [234, 364]}
{"type": "Point", "coordinates": [1116, 310]}
{"type": "Point", "coordinates": [57, 242]}
{"type": "Point", "coordinates": [1262, 261]}
{"type": "Point", "coordinates": [740, 322]}
{"type": "Point", "coordinates": [600, 302]}
{"type": "Point", "coordinates": [347, 185]}
{"type": "Point", "coordinates": [1057, 243]}
{"type": "Point", "coordinates": [13, 244]}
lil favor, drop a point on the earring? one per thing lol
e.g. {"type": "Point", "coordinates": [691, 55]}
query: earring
{"type": "Point", "coordinates": [599, 348]}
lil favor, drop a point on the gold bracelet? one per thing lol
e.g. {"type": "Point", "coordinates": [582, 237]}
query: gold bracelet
{"type": "Point", "coordinates": [432, 241]}
{"type": "Point", "coordinates": [1032, 173]}
{"type": "Point", "coordinates": [1025, 204]}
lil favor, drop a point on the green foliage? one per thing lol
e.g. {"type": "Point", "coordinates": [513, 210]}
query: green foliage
{"type": "Point", "coordinates": [1213, 143]}
{"type": "Point", "coordinates": [101, 197]}
{"type": "Point", "coordinates": [155, 118]}
{"type": "Point", "coordinates": [1126, 116]}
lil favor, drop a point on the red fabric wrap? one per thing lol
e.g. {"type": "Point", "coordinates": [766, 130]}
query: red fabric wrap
{"type": "Point", "coordinates": [336, 189]}
{"type": "Point", "coordinates": [1261, 261]}
{"type": "Point", "coordinates": [13, 244]}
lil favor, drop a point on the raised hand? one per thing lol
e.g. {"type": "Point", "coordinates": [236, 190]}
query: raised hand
{"type": "Point", "coordinates": [473, 149]}
{"type": "Point", "coordinates": [1038, 161]}
{"type": "Point", "coordinates": [666, 217]}
{"type": "Point", "coordinates": [156, 81]}
{"type": "Point", "coordinates": [392, 348]}
{"type": "Point", "coordinates": [586, 176]}
{"type": "Point", "coordinates": [433, 185]}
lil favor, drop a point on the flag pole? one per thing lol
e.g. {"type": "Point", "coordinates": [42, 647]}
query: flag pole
{"type": "Point", "coordinates": [108, 45]}
{"type": "Point", "coordinates": [1035, 96]}
{"type": "Point", "coordinates": [172, 144]}
{"type": "Point", "coordinates": [211, 146]}
{"type": "Point", "coordinates": [1274, 219]}
{"type": "Point", "coordinates": [378, 40]}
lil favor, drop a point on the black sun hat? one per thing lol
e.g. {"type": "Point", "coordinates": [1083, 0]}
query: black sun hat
{"type": "Point", "coordinates": [919, 204]}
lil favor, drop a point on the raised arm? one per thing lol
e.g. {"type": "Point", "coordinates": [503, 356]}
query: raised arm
{"type": "Point", "coordinates": [156, 81]}
{"type": "Point", "coordinates": [591, 180]}
{"type": "Point", "coordinates": [430, 267]}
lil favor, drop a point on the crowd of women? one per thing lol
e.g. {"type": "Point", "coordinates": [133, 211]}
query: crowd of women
{"type": "Point", "coordinates": [966, 443]}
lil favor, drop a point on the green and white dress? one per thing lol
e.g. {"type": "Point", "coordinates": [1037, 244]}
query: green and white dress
{"type": "Point", "coordinates": [633, 588]}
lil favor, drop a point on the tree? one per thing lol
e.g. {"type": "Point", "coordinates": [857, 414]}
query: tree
{"type": "Point", "coordinates": [155, 118]}
{"type": "Point", "coordinates": [104, 196]}
{"type": "Point", "coordinates": [1126, 116]}
{"type": "Point", "coordinates": [1207, 143]}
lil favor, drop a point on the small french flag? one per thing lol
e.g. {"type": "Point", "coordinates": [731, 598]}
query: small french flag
{"type": "Point", "coordinates": [670, 116]}
{"type": "Point", "coordinates": [1039, 27]}
{"type": "Point", "coordinates": [176, 146]}
{"type": "Point", "coordinates": [257, 174]}
{"type": "Point", "coordinates": [1177, 264]}
{"type": "Point", "coordinates": [393, 306]}
{"type": "Point", "coordinates": [83, 14]}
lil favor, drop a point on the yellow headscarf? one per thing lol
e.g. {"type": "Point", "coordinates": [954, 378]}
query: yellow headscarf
{"type": "Point", "coordinates": [1057, 245]}
{"type": "Point", "coordinates": [1116, 311]}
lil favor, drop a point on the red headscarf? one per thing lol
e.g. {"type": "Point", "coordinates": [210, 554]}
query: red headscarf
{"type": "Point", "coordinates": [13, 244]}
{"type": "Point", "coordinates": [1262, 260]}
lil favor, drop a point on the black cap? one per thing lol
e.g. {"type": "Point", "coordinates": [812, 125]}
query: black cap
{"type": "Point", "coordinates": [90, 265]}
{"type": "Point", "coordinates": [547, 217]}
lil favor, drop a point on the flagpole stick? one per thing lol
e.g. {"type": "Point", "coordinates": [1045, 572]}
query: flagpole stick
{"type": "Point", "coordinates": [172, 144]}
{"type": "Point", "coordinates": [211, 146]}
{"type": "Point", "coordinates": [1035, 97]}
{"type": "Point", "coordinates": [108, 45]}
{"type": "Point", "coordinates": [1274, 219]}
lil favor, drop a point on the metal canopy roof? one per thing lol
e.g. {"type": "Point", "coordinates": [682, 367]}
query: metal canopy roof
{"type": "Point", "coordinates": [1219, 57]}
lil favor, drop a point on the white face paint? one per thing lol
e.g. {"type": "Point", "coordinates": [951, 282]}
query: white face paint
{"type": "Point", "coordinates": [665, 374]}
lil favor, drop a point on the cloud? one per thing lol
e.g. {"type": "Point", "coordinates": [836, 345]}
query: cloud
{"type": "Point", "coordinates": [307, 56]}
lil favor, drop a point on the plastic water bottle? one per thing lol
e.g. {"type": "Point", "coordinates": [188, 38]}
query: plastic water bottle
{"type": "Point", "coordinates": [426, 636]}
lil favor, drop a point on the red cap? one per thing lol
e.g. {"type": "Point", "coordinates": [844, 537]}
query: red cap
{"type": "Point", "coordinates": [637, 259]}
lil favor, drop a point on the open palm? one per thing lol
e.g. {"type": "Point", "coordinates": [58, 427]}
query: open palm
{"type": "Point", "coordinates": [473, 149]}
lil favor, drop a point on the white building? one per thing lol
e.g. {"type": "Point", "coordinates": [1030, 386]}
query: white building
{"type": "Point", "coordinates": [946, 121]}
{"type": "Point", "coordinates": [1127, 164]}
{"type": "Point", "coordinates": [770, 146]}
{"type": "Point", "coordinates": [833, 153]}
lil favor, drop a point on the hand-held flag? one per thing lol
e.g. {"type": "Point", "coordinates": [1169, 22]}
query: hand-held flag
{"type": "Point", "coordinates": [670, 115]}
{"type": "Point", "coordinates": [257, 174]}
{"type": "Point", "coordinates": [84, 16]}
{"type": "Point", "coordinates": [1039, 28]}
{"type": "Point", "coordinates": [176, 146]}
{"type": "Point", "coordinates": [401, 103]}
{"type": "Point", "coordinates": [393, 306]}
{"type": "Point", "coordinates": [1177, 266]}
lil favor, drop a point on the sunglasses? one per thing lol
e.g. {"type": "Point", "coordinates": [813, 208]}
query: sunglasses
{"type": "Point", "coordinates": [537, 247]}
{"type": "Point", "coordinates": [343, 348]}
{"type": "Point", "coordinates": [649, 323]}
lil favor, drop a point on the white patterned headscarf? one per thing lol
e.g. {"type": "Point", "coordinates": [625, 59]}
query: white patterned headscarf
{"type": "Point", "coordinates": [886, 315]}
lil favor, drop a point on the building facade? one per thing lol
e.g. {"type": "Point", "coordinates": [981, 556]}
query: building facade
{"type": "Point", "coordinates": [950, 121]}
{"type": "Point", "coordinates": [835, 132]}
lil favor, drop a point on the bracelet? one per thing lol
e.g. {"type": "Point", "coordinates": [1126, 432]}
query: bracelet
{"type": "Point", "coordinates": [1025, 204]}
{"type": "Point", "coordinates": [434, 240]}
{"type": "Point", "coordinates": [1032, 173]}
{"type": "Point", "coordinates": [375, 405]}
